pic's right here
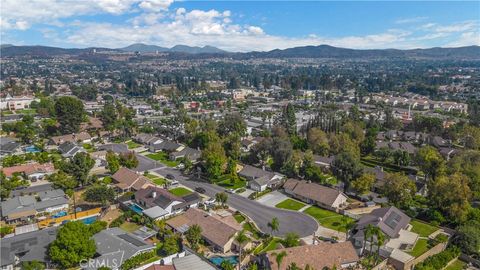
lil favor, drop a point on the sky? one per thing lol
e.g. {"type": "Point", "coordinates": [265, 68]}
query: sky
{"type": "Point", "coordinates": [240, 25]}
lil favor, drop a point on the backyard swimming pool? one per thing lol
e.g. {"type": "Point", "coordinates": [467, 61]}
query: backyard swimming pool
{"type": "Point", "coordinates": [89, 220]}
{"type": "Point", "coordinates": [60, 214]}
{"type": "Point", "coordinates": [32, 149]}
{"type": "Point", "coordinates": [135, 208]}
{"type": "Point", "coordinates": [218, 260]}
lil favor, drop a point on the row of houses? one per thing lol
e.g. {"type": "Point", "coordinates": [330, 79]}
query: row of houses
{"type": "Point", "coordinates": [175, 150]}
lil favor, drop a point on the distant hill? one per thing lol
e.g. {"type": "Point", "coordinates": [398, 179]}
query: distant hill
{"type": "Point", "coordinates": [321, 51]}
{"type": "Point", "coordinates": [326, 51]}
{"type": "Point", "coordinates": [140, 47]}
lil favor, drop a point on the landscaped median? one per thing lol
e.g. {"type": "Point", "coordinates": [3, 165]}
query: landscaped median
{"type": "Point", "coordinates": [290, 204]}
{"type": "Point", "coordinates": [329, 219]}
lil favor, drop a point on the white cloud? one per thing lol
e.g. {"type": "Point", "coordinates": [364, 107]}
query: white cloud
{"type": "Point", "coordinates": [20, 14]}
{"type": "Point", "coordinates": [411, 20]}
{"type": "Point", "coordinates": [466, 39]}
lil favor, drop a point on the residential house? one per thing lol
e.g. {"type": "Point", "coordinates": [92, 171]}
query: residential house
{"type": "Point", "coordinates": [216, 230]}
{"type": "Point", "coordinates": [448, 152]}
{"type": "Point", "coordinates": [320, 256]}
{"type": "Point", "coordinates": [166, 146]}
{"type": "Point", "coordinates": [187, 152]}
{"type": "Point", "coordinates": [259, 179]}
{"type": "Point", "coordinates": [26, 247]}
{"type": "Point", "coordinates": [312, 193]}
{"type": "Point", "coordinates": [82, 137]}
{"type": "Point", "coordinates": [25, 207]}
{"type": "Point", "coordinates": [8, 146]}
{"type": "Point", "coordinates": [100, 158]}
{"type": "Point", "coordinates": [190, 261]}
{"type": "Point", "coordinates": [31, 171]}
{"type": "Point", "coordinates": [16, 102]}
{"type": "Point", "coordinates": [92, 124]}
{"type": "Point", "coordinates": [147, 139]}
{"type": "Point", "coordinates": [394, 224]}
{"type": "Point", "coordinates": [128, 180]}
{"type": "Point", "coordinates": [439, 142]}
{"type": "Point", "coordinates": [69, 149]}
{"type": "Point", "coordinates": [380, 176]}
{"type": "Point", "coordinates": [115, 245]}
{"type": "Point", "coordinates": [159, 203]}
{"type": "Point", "coordinates": [323, 162]}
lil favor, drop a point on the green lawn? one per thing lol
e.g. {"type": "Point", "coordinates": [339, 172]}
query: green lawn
{"type": "Point", "coordinates": [420, 247]}
{"type": "Point", "coordinates": [129, 226]}
{"type": "Point", "coordinates": [163, 158]}
{"type": "Point", "coordinates": [249, 227]}
{"type": "Point", "coordinates": [239, 217]}
{"type": "Point", "coordinates": [227, 183]}
{"type": "Point", "coordinates": [272, 245]}
{"type": "Point", "coordinates": [132, 145]}
{"type": "Point", "coordinates": [159, 181]}
{"type": "Point", "coordinates": [422, 229]}
{"type": "Point", "coordinates": [290, 204]}
{"type": "Point", "coordinates": [180, 191]}
{"type": "Point", "coordinates": [456, 265]}
{"type": "Point", "coordinates": [26, 111]}
{"type": "Point", "coordinates": [328, 219]}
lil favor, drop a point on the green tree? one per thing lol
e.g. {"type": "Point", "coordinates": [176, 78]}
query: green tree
{"type": "Point", "coordinates": [318, 141]}
{"type": "Point", "coordinates": [468, 237]}
{"type": "Point", "coordinates": [279, 258]}
{"type": "Point", "coordinates": [399, 189]}
{"type": "Point", "coordinates": [241, 239]}
{"type": "Point", "coordinates": [109, 116]}
{"type": "Point", "coordinates": [451, 195]}
{"type": "Point", "coordinates": [364, 183]}
{"type": "Point", "coordinates": [100, 194]}
{"type": "Point", "coordinates": [430, 162]}
{"type": "Point", "coordinates": [113, 162]}
{"type": "Point", "coordinates": [468, 163]}
{"type": "Point", "coordinates": [72, 244]}
{"type": "Point", "coordinates": [346, 167]}
{"type": "Point", "coordinates": [170, 245]}
{"type": "Point", "coordinates": [232, 123]}
{"type": "Point", "coordinates": [274, 225]}
{"type": "Point", "coordinates": [33, 265]}
{"type": "Point", "coordinates": [215, 160]}
{"type": "Point", "coordinates": [63, 181]}
{"type": "Point", "coordinates": [221, 198]}
{"type": "Point", "coordinates": [291, 240]}
{"type": "Point", "coordinates": [79, 167]}
{"type": "Point", "coordinates": [70, 113]}
{"type": "Point", "coordinates": [128, 159]}
{"type": "Point", "coordinates": [193, 236]}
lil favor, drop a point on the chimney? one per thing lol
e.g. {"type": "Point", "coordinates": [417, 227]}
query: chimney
{"type": "Point", "coordinates": [154, 194]}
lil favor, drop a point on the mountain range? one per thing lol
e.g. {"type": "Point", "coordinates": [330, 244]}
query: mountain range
{"type": "Point", "coordinates": [321, 51]}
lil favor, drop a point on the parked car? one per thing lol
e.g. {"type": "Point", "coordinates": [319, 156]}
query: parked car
{"type": "Point", "coordinates": [200, 190]}
{"type": "Point", "coordinates": [170, 176]}
{"type": "Point", "coordinates": [230, 190]}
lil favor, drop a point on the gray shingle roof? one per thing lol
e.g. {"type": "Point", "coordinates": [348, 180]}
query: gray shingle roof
{"type": "Point", "coordinates": [32, 246]}
{"type": "Point", "coordinates": [115, 239]}
{"type": "Point", "coordinates": [389, 219]}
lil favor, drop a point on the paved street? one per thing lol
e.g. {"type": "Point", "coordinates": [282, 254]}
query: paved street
{"type": "Point", "coordinates": [290, 221]}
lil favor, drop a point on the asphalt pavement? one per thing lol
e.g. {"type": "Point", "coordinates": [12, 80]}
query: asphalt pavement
{"type": "Point", "coordinates": [290, 221]}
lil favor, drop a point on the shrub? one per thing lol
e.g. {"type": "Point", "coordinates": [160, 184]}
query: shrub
{"type": "Point", "coordinates": [117, 222]}
{"type": "Point", "coordinates": [135, 261]}
{"type": "Point", "coordinates": [440, 260]}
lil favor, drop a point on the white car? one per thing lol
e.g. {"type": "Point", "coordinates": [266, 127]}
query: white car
{"type": "Point", "coordinates": [230, 190]}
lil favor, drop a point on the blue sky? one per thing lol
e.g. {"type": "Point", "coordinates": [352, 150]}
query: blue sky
{"type": "Point", "coordinates": [241, 25]}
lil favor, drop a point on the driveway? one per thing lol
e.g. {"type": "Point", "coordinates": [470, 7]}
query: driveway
{"type": "Point", "coordinates": [272, 198]}
{"type": "Point", "coordinates": [290, 221]}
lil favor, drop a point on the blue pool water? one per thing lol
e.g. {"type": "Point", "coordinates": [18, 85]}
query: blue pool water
{"type": "Point", "coordinates": [60, 214]}
{"type": "Point", "coordinates": [89, 220]}
{"type": "Point", "coordinates": [218, 260]}
{"type": "Point", "coordinates": [32, 149]}
{"type": "Point", "coordinates": [137, 209]}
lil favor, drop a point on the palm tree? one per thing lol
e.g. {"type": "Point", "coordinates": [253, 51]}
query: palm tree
{"type": "Point", "coordinates": [274, 225]}
{"type": "Point", "coordinates": [368, 234]}
{"type": "Point", "coordinates": [193, 235]}
{"type": "Point", "coordinates": [279, 258]}
{"type": "Point", "coordinates": [241, 239]}
{"type": "Point", "coordinates": [380, 240]}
